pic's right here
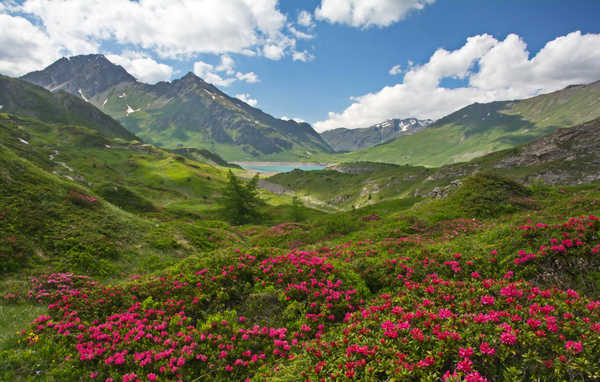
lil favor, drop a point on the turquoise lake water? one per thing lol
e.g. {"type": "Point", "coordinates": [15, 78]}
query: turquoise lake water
{"type": "Point", "coordinates": [270, 168]}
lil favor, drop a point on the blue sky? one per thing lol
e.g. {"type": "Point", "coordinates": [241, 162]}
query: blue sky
{"type": "Point", "coordinates": [330, 67]}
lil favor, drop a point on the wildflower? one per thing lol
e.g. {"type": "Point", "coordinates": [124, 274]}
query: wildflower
{"type": "Point", "coordinates": [574, 347]}
{"type": "Point", "coordinates": [508, 338]}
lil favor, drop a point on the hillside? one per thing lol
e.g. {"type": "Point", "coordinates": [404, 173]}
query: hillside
{"type": "Point", "coordinates": [117, 265]}
{"type": "Point", "coordinates": [68, 192]}
{"type": "Point", "coordinates": [28, 100]}
{"type": "Point", "coordinates": [479, 129]}
{"type": "Point", "coordinates": [416, 292]}
{"type": "Point", "coordinates": [187, 112]}
{"type": "Point", "coordinates": [342, 139]}
{"type": "Point", "coordinates": [567, 156]}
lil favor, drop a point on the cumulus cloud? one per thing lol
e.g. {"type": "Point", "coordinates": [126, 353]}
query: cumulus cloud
{"type": "Point", "coordinates": [366, 13]}
{"type": "Point", "coordinates": [249, 77]}
{"type": "Point", "coordinates": [396, 69]}
{"type": "Point", "coordinates": [224, 73]}
{"type": "Point", "coordinates": [169, 28]}
{"type": "Point", "coordinates": [298, 120]}
{"type": "Point", "coordinates": [492, 70]}
{"type": "Point", "coordinates": [303, 56]}
{"type": "Point", "coordinates": [24, 47]}
{"type": "Point", "coordinates": [305, 19]}
{"type": "Point", "coordinates": [273, 52]}
{"type": "Point", "coordinates": [248, 99]}
{"type": "Point", "coordinates": [300, 34]}
{"type": "Point", "coordinates": [142, 67]}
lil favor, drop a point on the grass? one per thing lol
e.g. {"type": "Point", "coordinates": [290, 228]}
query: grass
{"type": "Point", "coordinates": [476, 218]}
{"type": "Point", "coordinates": [14, 318]}
{"type": "Point", "coordinates": [480, 129]}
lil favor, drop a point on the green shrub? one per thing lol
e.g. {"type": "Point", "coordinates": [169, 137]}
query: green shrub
{"type": "Point", "coordinates": [125, 198]}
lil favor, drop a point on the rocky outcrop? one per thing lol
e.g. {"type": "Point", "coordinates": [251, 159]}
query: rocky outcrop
{"type": "Point", "coordinates": [442, 192]}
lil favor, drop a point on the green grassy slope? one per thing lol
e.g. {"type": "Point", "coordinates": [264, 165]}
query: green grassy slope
{"type": "Point", "coordinates": [189, 112]}
{"type": "Point", "coordinates": [432, 284]}
{"type": "Point", "coordinates": [77, 201]}
{"type": "Point", "coordinates": [480, 129]}
{"type": "Point", "coordinates": [567, 156]}
{"type": "Point", "coordinates": [68, 193]}
{"type": "Point", "coordinates": [28, 100]}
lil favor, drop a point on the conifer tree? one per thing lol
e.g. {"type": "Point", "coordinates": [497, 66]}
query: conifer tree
{"type": "Point", "coordinates": [240, 200]}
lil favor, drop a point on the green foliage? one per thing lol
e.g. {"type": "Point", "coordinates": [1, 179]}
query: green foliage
{"type": "Point", "coordinates": [240, 201]}
{"type": "Point", "coordinates": [125, 198]}
{"type": "Point", "coordinates": [479, 129]}
{"type": "Point", "coordinates": [297, 211]}
{"type": "Point", "coordinates": [486, 195]}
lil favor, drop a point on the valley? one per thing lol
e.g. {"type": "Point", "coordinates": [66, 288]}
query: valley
{"type": "Point", "coordinates": [172, 232]}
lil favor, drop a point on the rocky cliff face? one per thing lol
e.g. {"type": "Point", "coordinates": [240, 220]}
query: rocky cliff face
{"type": "Point", "coordinates": [84, 75]}
{"type": "Point", "coordinates": [568, 156]}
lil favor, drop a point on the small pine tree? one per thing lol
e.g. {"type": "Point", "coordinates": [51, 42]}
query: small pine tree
{"type": "Point", "coordinates": [297, 210]}
{"type": "Point", "coordinates": [241, 201]}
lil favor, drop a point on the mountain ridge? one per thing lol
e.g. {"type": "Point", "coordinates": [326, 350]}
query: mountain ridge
{"type": "Point", "coordinates": [343, 139]}
{"type": "Point", "coordinates": [185, 112]}
{"type": "Point", "coordinates": [482, 128]}
{"type": "Point", "coordinates": [32, 101]}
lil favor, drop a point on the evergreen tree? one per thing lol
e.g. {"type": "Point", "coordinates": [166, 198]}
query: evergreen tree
{"type": "Point", "coordinates": [240, 200]}
{"type": "Point", "coordinates": [297, 209]}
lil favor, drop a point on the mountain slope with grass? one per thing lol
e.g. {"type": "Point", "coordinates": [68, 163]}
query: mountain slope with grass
{"type": "Point", "coordinates": [187, 112]}
{"type": "Point", "coordinates": [567, 156]}
{"type": "Point", "coordinates": [421, 291]}
{"type": "Point", "coordinates": [28, 100]}
{"type": "Point", "coordinates": [480, 129]}
{"type": "Point", "coordinates": [74, 200]}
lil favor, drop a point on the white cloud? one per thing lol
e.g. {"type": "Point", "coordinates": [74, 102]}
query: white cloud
{"type": "Point", "coordinates": [248, 99]}
{"type": "Point", "coordinates": [227, 65]}
{"type": "Point", "coordinates": [249, 77]}
{"type": "Point", "coordinates": [299, 34]}
{"type": "Point", "coordinates": [298, 120]}
{"type": "Point", "coordinates": [303, 56]}
{"type": "Point", "coordinates": [505, 72]}
{"type": "Point", "coordinates": [171, 29]}
{"type": "Point", "coordinates": [273, 52]}
{"type": "Point", "coordinates": [23, 46]}
{"type": "Point", "coordinates": [396, 69]}
{"type": "Point", "coordinates": [211, 74]}
{"type": "Point", "coordinates": [142, 67]}
{"type": "Point", "coordinates": [366, 13]}
{"type": "Point", "coordinates": [305, 19]}
{"type": "Point", "coordinates": [208, 73]}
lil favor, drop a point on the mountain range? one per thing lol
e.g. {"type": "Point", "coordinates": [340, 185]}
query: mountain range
{"type": "Point", "coordinates": [343, 139]}
{"type": "Point", "coordinates": [187, 112]}
{"type": "Point", "coordinates": [482, 128]}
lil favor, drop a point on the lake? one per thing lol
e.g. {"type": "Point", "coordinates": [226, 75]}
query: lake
{"type": "Point", "coordinates": [280, 166]}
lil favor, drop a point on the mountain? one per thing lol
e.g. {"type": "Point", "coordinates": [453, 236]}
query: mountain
{"type": "Point", "coordinates": [187, 112]}
{"type": "Point", "coordinates": [83, 75]}
{"type": "Point", "coordinates": [28, 100]}
{"type": "Point", "coordinates": [479, 129]}
{"type": "Point", "coordinates": [568, 156]}
{"type": "Point", "coordinates": [343, 139]}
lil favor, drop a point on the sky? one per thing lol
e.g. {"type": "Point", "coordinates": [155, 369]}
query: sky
{"type": "Point", "coordinates": [332, 63]}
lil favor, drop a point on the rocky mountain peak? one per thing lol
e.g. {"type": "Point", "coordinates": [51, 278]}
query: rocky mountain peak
{"type": "Point", "coordinates": [84, 75]}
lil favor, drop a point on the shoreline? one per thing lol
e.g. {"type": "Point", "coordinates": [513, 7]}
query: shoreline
{"type": "Point", "coordinates": [281, 164]}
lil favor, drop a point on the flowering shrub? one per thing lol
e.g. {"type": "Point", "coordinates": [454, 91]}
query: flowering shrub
{"type": "Point", "coordinates": [397, 308]}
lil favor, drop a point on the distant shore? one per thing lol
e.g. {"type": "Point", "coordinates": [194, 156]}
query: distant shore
{"type": "Point", "coordinates": [280, 164]}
